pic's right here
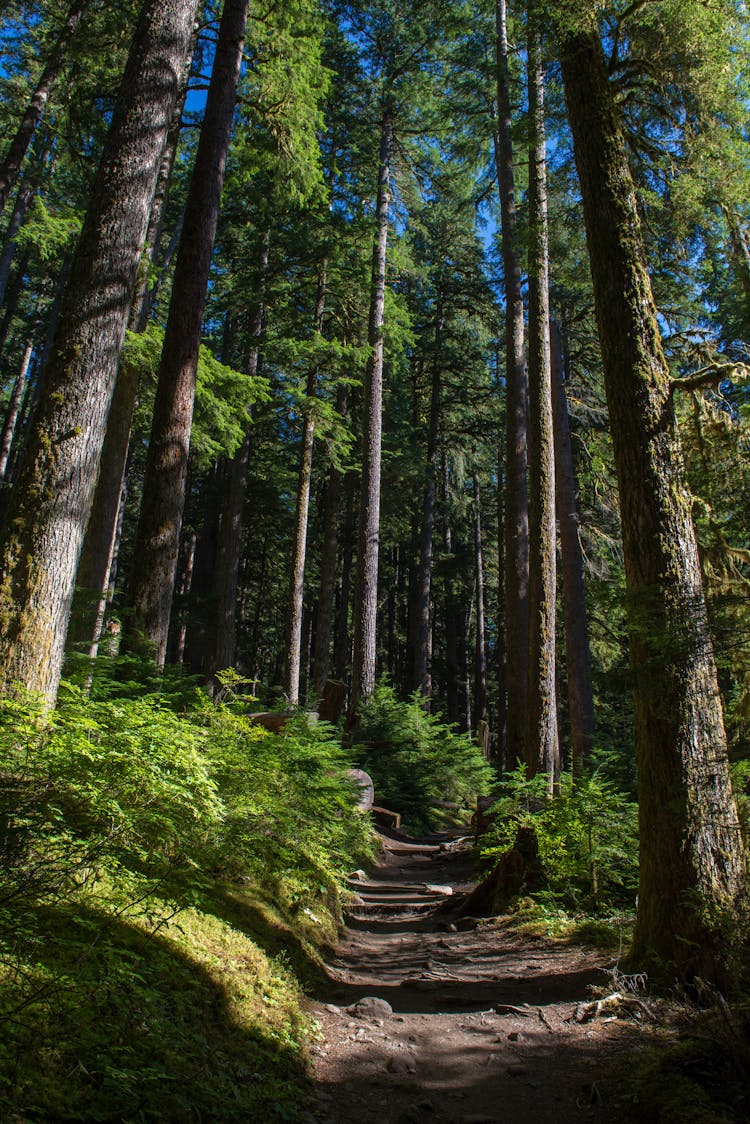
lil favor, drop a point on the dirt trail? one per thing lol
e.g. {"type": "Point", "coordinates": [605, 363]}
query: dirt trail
{"type": "Point", "coordinates": [482, 1027]}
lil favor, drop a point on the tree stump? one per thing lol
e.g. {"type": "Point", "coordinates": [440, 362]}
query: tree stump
{"type": "Point", "coordinates": [518, 871]}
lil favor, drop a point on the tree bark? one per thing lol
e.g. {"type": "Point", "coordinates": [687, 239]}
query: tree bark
{"type": "Point", "coordinates": [577, 646]}
{"type": "Point", "coordinates": [11, 164]}
{"type": "Point", "coordinates": [502, 609]}
{"type": "Point", "coordinates": [516, 397]}
{"type": "Point", "coordinates": [366, 589]}
{"type": "Point", "coordinates": [93, 578]}
{"type": "Point", "coordinates": [542, 747]}
{"type": "Point", "coordinates": [49, 509]}
{"type": "Point", "coordinates": [691, 857]}
{"type": "Point", "coordinates": [299, 545]}
{"type": "Point", "coordinates": [162, 506]}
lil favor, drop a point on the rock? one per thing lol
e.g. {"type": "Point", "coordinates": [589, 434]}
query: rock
{"type": "Point", "coordinates": [332, 1009]}
{"type": "Point", "coordinates": [358, 876]}
{"type": "Point", "coordinates": [434, 889]}
{"type": "Point", "coordinates": [370, 1008]}
{"type": "Point", "coordinates": [401, 1064]}
{"type": "Point", "coordinates": [513, 1036]}
{"type": "Point", "coordinates": [366, 796]}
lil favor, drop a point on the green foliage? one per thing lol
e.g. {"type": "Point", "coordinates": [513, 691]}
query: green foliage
{"type": "Point", "coordinates": [222, 399]}
{"type": "Point", "coordinates": [49, 235]}
{"type": "Point", "coordinates": [587, 833]}
{"type": "Point", "coordinates": [414, 759]}
{"type": "Point", "coordinates": [155, 866]}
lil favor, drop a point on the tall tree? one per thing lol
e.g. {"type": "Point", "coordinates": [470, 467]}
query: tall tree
{"type": "Point", "coordinates": [299, 545]}
{"type": "Point", "coordinates": [43, 534]}
{"type": "Point", "coordinates": [542, 751]}
{"type": "Point", "coordinates": [366, 588]}
{"type": "Point", "coordinates": [577, 644]}
{"type": "Point", "coordinates": [691, 859]}
{"type": "Point", "coordinates": [162, 506]}
{"type": "Point", "coordinates": [516, 523]}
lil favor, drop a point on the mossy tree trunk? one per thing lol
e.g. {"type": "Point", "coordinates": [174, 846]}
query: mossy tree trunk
{"type": "Point", "coordinates": [691, 856]}
{"type": "Point", "coordinates": [50, 505]}
{"type": "Point", "coordinates": [541, 743]}
{"type": "Point", "coordinates": [516, 523]}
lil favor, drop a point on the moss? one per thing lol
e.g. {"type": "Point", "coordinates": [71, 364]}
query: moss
{"type": "Point", "coordinates": [695, 1069]}
{"type": "Point", "coordinates": [152, 1015]}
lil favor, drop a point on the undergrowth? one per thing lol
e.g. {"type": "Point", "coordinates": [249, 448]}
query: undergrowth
{"type": "Point", "coordinates": [693, 1067]}
{"type": "Point", "coordinates": [416, 761]}
{"type": "Point", "coordinates": [587, 836]}
{"type": "Point", "coordinates": [169, 872]}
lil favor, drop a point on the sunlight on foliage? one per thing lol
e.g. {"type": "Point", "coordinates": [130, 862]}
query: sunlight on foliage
{"type": "Point", "coordinates": [587, 834]}
{"type": "Point", "coordinates": [414, 759]}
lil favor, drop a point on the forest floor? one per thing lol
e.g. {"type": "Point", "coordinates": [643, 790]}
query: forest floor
{"type": "Point", "coordinates": [483, 1021]}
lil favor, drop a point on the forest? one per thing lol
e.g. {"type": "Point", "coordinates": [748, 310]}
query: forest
{"type": "Point", "coordinates": [374, 394]}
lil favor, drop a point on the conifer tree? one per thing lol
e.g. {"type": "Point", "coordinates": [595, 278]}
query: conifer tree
{"type": "Point", "coordinates": [691, 858]}
{"type": "Point", "coordinates": [49, 508]}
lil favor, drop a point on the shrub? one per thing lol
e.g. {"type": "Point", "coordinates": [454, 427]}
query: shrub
{"type": "Point", "coordinates": [415, 759]}
{"type": "Point", "coordinates": [587, 833]}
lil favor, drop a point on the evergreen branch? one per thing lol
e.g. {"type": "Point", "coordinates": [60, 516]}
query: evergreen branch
{"type": "Point", "coordinates": [712, 375]}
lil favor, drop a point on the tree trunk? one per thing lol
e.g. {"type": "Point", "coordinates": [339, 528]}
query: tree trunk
{"type": "Point", "coordinates": [163, 502]}
{"type": "Point", "coordinates": [299, 545]}
{"type": "Point", "coordinates": [25, 195]}
{"type": "Point", "coordinates": [542, 748]}
{"type": "Point", "coordinates": [691, 856]}
{"type": "Point", "coordinates": [502, 609]}
{"type": "Point", "coordinates": [516, 397]}
{"type": "Point", "coordinates": [423, 589]}
{"type": "Point", "coordinates": [12, 297]}
{"type": "Point", "coordinates": [92, 582]}
{"type": "Point", "coordinates": [577, 647]}
{"type": "Point", "coordinates": [11, 164]}
{"type": "Point", "coordinates": [50, 504]}
{"type": "Point", "coordinates": [327, 589]}
{"type": "Point", "coordinates": [14, 406]}
{"type": "Point", "coordinates": [480, 642]}
{"type": "Point", "coordinates": [451, 609]}
{"type": "Point", "coordinates": [341, 644]}
{"type": "Point", "coordinates": [223, 650]}
{"type": "Point", "coordinates": [366, 589]}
